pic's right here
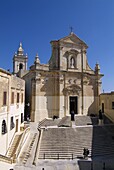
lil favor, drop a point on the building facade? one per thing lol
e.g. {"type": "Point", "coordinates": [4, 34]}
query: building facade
{"type": "Point", "coordinates": [107, 104]}
{"type": "Point", "coordinates": [65, 84]}
{"type": "Point", "coordinates": [12, 95]}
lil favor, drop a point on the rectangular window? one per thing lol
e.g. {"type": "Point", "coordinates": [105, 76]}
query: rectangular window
{"type": "Point", "coordinates": [4, 128]}
{"type": "Point", "coordinates": [21, 97]}
{"type": "Point", "coordinates": [11, 123]}
{"type": "Point", "coordinates": [22, 118]}
{"type": "Point", "coordinates": [17, 97]}
{"type": "Point", "coordinates": [4, 98]}
{"type": "Point", "coordinates": [103, 107]}
{"type": "Point", "coordinates": [112, 105]}
{"type": "Point", "coordinates": [12, 98]}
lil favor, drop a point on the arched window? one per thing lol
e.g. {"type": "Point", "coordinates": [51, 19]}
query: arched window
{"type": "Point", "coordinates": [4, 128]}
{"type": "Point", "coordinates": [20, 66]}
{"type": "Point", "coordinates": [72, 62]}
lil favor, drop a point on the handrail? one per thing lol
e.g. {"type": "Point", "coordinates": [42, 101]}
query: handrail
{"type": "Point", "coordinates": [58, 156]}
{"type": "Point", "coordinates": [5, 159]}
{"type": "Point", "coordinates": [21, 142]}
{"type": "Point", "coordinates": [10, 143]}
{"type": "Point", "coordinates": [29, 148]}
{"type": "Point", "coordinates": [37, 146]}
{"type": "Point", "coordinates": [109, 117]}
{"type": "Point", "coordinates": [40, 123]}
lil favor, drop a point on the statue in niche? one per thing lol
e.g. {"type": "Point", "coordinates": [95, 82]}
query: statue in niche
{"type": "Point", "coordinates": [72, 63]}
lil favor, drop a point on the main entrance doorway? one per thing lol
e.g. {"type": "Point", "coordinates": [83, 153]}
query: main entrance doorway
{"type": "Point", "coordinates": [73, 103]}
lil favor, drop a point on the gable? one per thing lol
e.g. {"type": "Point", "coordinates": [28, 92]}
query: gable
{"type": "Point", "coordinates": [73, 39]}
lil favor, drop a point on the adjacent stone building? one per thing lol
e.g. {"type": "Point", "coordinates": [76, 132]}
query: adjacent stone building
{"type": "Point", "coordinates": [107, 104]}
{"type": "Point", "coordinates": [12, 92]}
{"type": "Point", "coordinates": [65, 84]}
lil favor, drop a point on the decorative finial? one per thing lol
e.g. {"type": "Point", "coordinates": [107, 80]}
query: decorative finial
{"type": "Point", "coordinates": [26, 55]}
{"type": "Point", "coordinates": [97, 68]}
{"type": "Point", "coordinates": [20, 49]}
{"type": "Point", "coordinates": [20, 44]}
{"type": "Point", "coordinates": [37, 60]}
{"type": "Point", "coordinates": [97, 62]}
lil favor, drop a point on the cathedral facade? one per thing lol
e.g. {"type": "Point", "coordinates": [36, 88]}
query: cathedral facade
{"type": "Point", "coordinates": [66, 84]}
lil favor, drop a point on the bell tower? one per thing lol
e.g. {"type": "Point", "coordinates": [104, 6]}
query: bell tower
{"type": "Point", "coordinates": [19, 60]}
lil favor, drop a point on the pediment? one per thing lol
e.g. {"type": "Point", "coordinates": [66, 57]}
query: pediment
{"type": "Point", "coordinates": [73, 39]}
{"type": "Point", "coordinates": [72, 89]}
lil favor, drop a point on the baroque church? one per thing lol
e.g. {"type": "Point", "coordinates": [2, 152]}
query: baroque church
{"type": "Point", "coordinates": [66, 84]}
{"type": "Point", "coordinates": [67, 89]}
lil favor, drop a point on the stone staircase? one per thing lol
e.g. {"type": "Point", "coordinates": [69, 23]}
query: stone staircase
{"type": "Point", "coordinates": [65, 122]}
{"type": "Point", "coordinates": [86, 120]}
{"type": "Point", "coordinates": [12, 149]}
{"type": "Point", "coordinates": [103, 141]}
{"type": "Point", "coordinates": [68, 143]}
{"type": "Point", "coordinates": [64, 143]}
{"type": "Point", "coordinates": [49, 122]}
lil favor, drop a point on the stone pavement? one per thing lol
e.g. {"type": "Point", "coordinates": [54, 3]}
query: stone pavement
{"type": "Point", "coordinates": [6, 166]}
{"type": "Point", "coordinates": [69, 165]}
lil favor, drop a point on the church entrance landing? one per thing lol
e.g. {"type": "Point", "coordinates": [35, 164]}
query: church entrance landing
{"type": "Point", "coordinates": [73, 103]}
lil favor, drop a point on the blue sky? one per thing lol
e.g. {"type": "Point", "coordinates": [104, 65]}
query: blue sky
{"type": "Point", "coordinates": [36, 22]}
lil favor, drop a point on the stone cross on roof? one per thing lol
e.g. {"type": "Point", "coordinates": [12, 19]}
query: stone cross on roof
{"type": "Point", "coordinates": [71, 29]}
